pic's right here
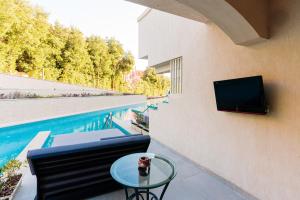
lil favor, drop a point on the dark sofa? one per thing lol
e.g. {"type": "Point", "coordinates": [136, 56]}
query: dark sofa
{"type": "Point", "coordinates": [82, 170]}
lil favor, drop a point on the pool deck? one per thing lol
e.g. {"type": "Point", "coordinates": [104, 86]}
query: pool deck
{"type": "Point", "coordinates": [27, 189]}
{"type": "Point", "coordinates": [35, 143]}
{"type": "Point", "coordinates": [92, 136]}
{"type": "Point", "coordinates": [126, 125]}
{"type": "Point", "coordinates": [192, 182]}
{"type": "Point", "coordinates": [31, 110]}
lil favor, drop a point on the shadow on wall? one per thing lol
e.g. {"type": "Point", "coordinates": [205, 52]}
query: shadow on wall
{"type": "Point", "coordinates": [278, 18]}
{"type": "Point", "coordinates": [271, 93]}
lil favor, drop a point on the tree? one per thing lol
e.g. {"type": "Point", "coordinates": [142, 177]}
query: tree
{"type": "Point", "coordinates": [56, 41]}
{"type": "Point", "coordinates": [76, 64]}
{"type": "Point", "coordinates": [100, 57]}
{"type": "Point", "coordinates": [34, 50]}
{"type": "Point", "coordinates": [121, 62]}
{"type": "Point", "coordinates": [152, 84]}
{"type": "Point", "coordinates": [15, 31]}
{"type": "Point", "coordinates": [7, 19]}
{"type": "Point", "coordinates": [30, 44]}
{"type": "Point", "coordinates": [150, 76]}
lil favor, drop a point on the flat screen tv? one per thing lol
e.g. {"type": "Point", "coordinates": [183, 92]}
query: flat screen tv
{"type": "Point", "coordinates": [241, 95]}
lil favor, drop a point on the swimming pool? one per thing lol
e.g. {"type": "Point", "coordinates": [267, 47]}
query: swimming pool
{"type": "Point", "coordinates": [14, 139]}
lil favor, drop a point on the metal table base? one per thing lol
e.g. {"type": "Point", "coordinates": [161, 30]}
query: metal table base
{"type": "Point", "coordinates": [138, 194]}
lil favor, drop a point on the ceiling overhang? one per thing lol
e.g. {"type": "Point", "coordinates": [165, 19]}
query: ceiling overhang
{"type": "Point", "coordinates": [245, 22]}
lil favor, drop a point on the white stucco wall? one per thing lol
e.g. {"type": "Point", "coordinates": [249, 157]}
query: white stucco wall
{"type": "Point", "coordinates": [260, 154]}
{"type": "Point", "coordinates": [10, 84]}
{"type": "Point", "coordinates": [26, 110]}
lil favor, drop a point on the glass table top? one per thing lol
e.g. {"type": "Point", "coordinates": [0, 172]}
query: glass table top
{"type": "Point", "coordinates": [125, 171]}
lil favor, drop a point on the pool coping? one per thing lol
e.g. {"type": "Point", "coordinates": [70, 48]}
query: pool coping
{"type": "Point", "coordinates": [36, 143]}
{"type": "Point", "coordinates": [127, 126]}
{"type": "Point", "coordinates": [124, 125]}
{"type": "Point", "coordinates": [65, 115]}
{"type": "Point", "coordinates": [26, 191]}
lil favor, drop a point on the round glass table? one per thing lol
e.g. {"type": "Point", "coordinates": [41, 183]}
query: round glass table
{"type": "Point", "coordinates": [125, 171]}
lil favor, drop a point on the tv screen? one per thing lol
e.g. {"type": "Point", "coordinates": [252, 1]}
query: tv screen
{"type": "Point", "coordinates": [241, 95]}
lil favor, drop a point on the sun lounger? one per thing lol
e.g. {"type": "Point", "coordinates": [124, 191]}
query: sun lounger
{"type": "Point", "coordinates": [79, 171]}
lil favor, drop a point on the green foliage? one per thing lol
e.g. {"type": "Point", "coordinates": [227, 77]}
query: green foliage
{"type": "Point", "coordinates": [2, 181]}
{"type": "Point", "coordinates": [76, 64]}
{"type": "Point", "coordinates": [11, 168]}
{"type": "Point", "coordinates": [30, 44]}
{"type": "Point", "coordinates": [152, 84]}
{"type": "Point", "coordinates": [100, 58]}
{"type": "Point", "coordinates": [121, 63]}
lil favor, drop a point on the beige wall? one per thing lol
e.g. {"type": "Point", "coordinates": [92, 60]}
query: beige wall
{"type": "Point", "coordinates": [260, 154]}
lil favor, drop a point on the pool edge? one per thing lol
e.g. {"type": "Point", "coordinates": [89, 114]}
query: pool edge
{"type": "Point", "coordinates": [69, 114]}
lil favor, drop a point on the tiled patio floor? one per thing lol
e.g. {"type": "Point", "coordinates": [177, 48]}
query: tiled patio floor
{"type": "Point", "coordinates": [191, 183]}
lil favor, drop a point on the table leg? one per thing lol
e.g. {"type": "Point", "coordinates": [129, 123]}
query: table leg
{"type": "Point", "coordinates": [126, 193]}
{"type": "Point", "coordinates": [147, 194]}
{"type": "Point", "coordinates": [164, 191]}
{"type": "Point", "coordinates": [137, 195]}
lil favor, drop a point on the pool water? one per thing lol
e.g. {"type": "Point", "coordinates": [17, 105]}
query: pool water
{"type": "Point", "coordinates": [14, 139]}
